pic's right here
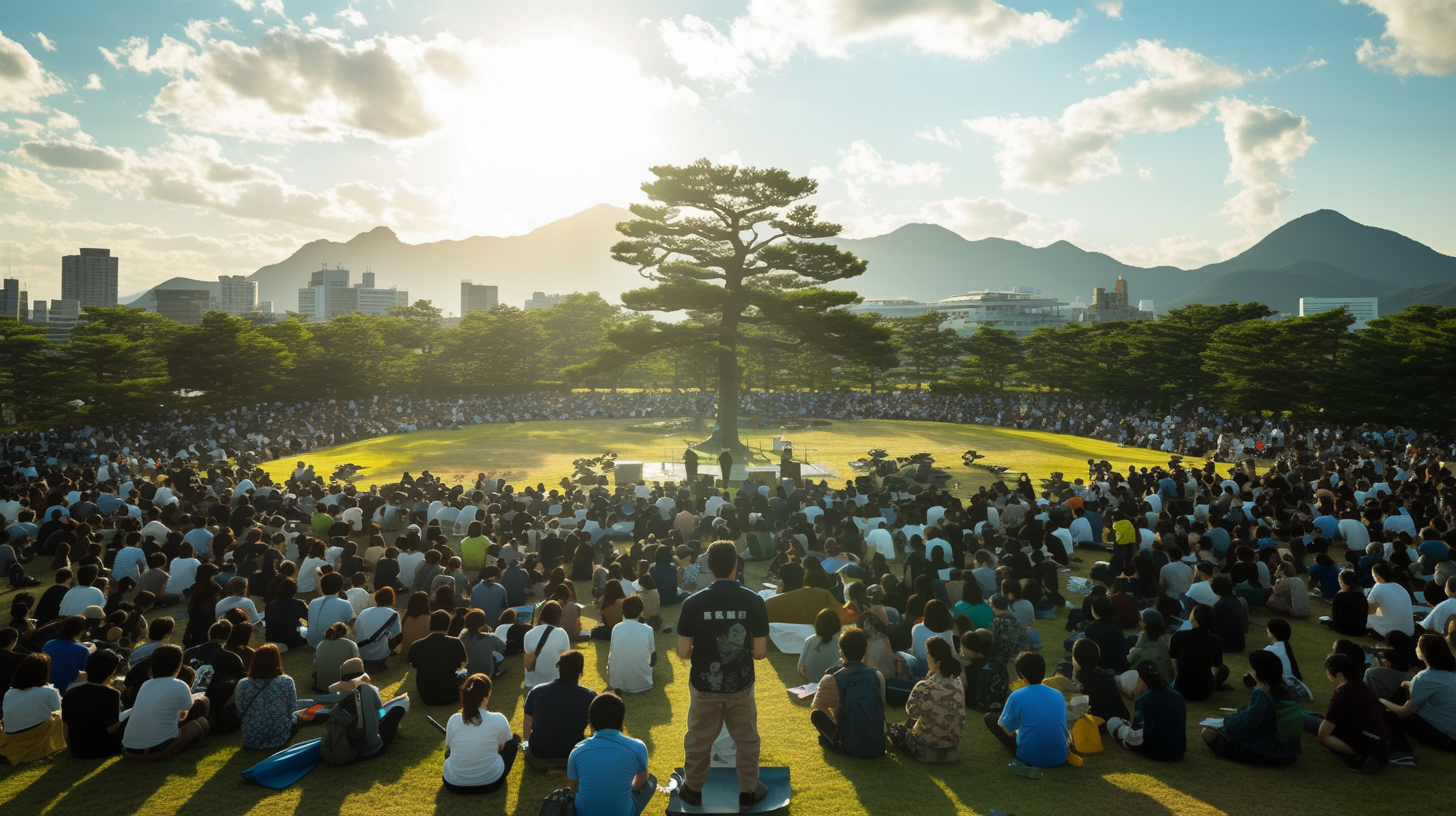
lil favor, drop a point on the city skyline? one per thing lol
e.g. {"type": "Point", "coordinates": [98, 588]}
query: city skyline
{"type": "Point", "coordinates": [213, 137]}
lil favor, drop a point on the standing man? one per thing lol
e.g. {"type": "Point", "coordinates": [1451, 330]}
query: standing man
{"type": "Point", "coordinates": [690, 462]}
{"type": "Point", "coordinates": [725, 463]}
{"type": "Point", "coordinates": [722, 630]}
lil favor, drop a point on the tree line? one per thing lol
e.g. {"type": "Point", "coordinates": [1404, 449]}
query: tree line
{"type": "Point", "coordinates": [1400, 370]}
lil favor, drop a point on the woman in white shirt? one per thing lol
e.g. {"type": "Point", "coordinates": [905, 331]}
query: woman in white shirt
{"type": "Point", "coordinates": [1390, 604]}
{"type": "Point", "coordinates": [821, 649]}
{"type": "Point", "coordinates": [181, 575]}
{"type": "Point", "coordinates": [308, 570]}
{"type": "Point", "coordinates": [479, 746]}
{"type": "Point", "coordinates": [33, 727]}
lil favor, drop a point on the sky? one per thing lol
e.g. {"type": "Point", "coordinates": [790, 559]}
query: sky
{"type": "Point", "coordinates": [204, 137]}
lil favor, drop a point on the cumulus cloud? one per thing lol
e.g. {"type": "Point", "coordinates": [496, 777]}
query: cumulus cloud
{"type": "Point", "coordinates": [27, 184]}
{"type": "Point", "coordinates": [971, 218]}
{"type": "Point", "coordinates": [93, 83]}
{"type": "Point", "coordinates": [1037, 153]}
{"type": "Point", "coordinates": [938, 135]}
{"type": "Point", "coordinates": [73, 155]}
{"type": "Point", "coordinates": [770, 32]}
{"type": "Point", "coordinates": [1112, 8]}
{"type": "Point", "coordinates": [352, 16]}
{"type": "Point", "coordinates": [45, 42]}
{"type": "Point", "coordinates": [1263, 142]}
{"type": "Point", "coordinates": [293, 86]}
{"type": "Point", "coordinates": [1183, 251]}
{"type": "Point", "coordinates": [23, 82]}
{"type": "Point", "coordinates": [1419, 37]}
{"type": "Point", "coordinates": [861, 165]}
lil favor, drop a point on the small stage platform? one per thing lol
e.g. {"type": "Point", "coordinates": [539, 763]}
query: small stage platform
{"type": "Point", "coordinates": [676, 472]}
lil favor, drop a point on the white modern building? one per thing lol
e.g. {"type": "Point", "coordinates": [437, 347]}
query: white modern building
{"type": "Point", "coordinates": [541, 300]}
{"type": "Point", "coordinates": [237, 295]}
{"type": "Point", "coordinates": [58, 317]}
{"type": "Point", "coordinates": [89, 278]}
{"type": "Point", "coordinates": [329, 294]}
{"type": "Point", "coordinates": [1021, 310]}
{"type": "Point", "coordinates": [1362, 309]}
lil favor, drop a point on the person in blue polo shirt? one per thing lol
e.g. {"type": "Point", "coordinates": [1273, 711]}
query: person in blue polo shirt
{"type": "Point", "coordinates": [608, 770]}
{"type": "Point", "coordinates": [1033, 724]}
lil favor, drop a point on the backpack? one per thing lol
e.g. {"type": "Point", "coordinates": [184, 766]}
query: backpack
{"type": "Point", "coordinates": [560, 802]}
{"type": "Point", "coordinates": [343, 731]}
{"type": "Point", "coordinates": [861, 714]}
{"type": "Point", "coordinates": [1289, 721]}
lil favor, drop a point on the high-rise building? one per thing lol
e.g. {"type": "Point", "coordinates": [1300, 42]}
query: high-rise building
{"type": "Point", "coordinates": [89, 278]}
{"type": "Point", "coordinates": [14, 300]}
{"type": "Point", "coordinates": [1363, 309]}
{"type": "Point", "coordinates": [478, 297]}
{"type": "Point", "coordinates": [329, 295]}
{"type": "Point", "coordinates": [183, 305]}
{"type": "Point", "coordinates": [59, 317]}
{"type": "Point", "coordinates": [237, 295]}
{"type": "Point", "coordinates": [541, 300]}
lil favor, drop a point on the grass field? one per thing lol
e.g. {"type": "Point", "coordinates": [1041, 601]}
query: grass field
{"type": "Point", "coordinates": [534, 452]}
{"type": "Point", "coordinates": [206, 782]}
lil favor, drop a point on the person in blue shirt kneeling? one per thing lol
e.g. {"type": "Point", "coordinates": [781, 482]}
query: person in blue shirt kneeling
{"type": "Point", "coordinates": [608, 770]}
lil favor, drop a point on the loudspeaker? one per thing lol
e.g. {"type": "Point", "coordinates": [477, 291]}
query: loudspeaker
{"type": "Point", "coordinates": [627, 473]}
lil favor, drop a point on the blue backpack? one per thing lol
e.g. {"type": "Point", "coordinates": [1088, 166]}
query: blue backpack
{"type": "Point", "coordinates": [862, 711]}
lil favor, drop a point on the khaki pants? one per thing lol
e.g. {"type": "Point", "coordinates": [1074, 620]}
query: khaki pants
{"type": "Point", "coordinates": [707, 714]}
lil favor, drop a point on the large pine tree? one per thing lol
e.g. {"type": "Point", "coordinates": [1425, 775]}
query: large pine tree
{"type": "Point", "coordinates": [735, 249]}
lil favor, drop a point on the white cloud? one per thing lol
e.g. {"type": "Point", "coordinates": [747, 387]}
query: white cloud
{"type": "Point", "coordinates": [731, 157]}
{"type": "Point", "coordinates": [93, 83]}
{"type": "Point", "coordinates": [275, 6]}
{"type": "Point", "coordinates": [1145, 173]}
{"type": "Point", "coordinates": [938, 135]}
{"type": "Point", "coordinates": [23, 82]}
{"type": "Point", "coordinates": [45, 42]}
{"type": "Point", "coordinates": [1112, 8]}
{"type": "Point", "coordinates": [1419, 37]}
{"type": "Point", "coordinates": [770, 32]}
{"type": "Point", "coordinates": [971, 218]}
{"type": "Point", "coordinates": [310, 18]}
{"type": "Point", "coordinates": [860, 165]}
{"type": "Point", "coordinates": [27, 184]}
{"type": "Point", "coordinates": [1308, 65]}
{"type": "Point", "coordinates": [245, 5]}
{"type": "Point", "coordinates": [1263, 142]}
{"type": "Point", "coordinates": [1036, 153]}
{"type": "Point", "coordinates": [352, 16]}
{"type": "Point", "coordinates": [67, 154]}
{"type": "Point", "coordinates": [1183, 251]}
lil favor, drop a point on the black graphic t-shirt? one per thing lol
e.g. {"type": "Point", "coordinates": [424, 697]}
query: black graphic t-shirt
{"type": "Point", "coordinates": [723, 621]}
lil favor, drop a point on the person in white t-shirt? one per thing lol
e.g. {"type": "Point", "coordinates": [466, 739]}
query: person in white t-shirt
{"type": "Point", "coordinates": [1390, 604]}
{"type": "Point", "coordinates": [1443, 611]}
{"type": "Point", "coordinates": [480, 748]}
{"type": "Point", "coordinates": [633, 652]}
{"type": "Point", "coordinates": [541, 657]}
{"type": "Point", "coordinates": [880, 540]}
{"type": "Point", "coordinates": [408, 563]}
{"type": "Point", "coordinates": [89, 591]}
{"type": "Point", "coordinates": [181, 575]}
{"type": "Point", "coordinates": [237, 598]}
{"type": "Point", "coordinates": [166, 717]}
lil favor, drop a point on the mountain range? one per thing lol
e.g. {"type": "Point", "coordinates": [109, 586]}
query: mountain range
{"type": "Point", "coordinates": [1322, 254]}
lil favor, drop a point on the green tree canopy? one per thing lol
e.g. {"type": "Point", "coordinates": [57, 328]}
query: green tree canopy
{"type": "Point", "coordinates": [734, 247]}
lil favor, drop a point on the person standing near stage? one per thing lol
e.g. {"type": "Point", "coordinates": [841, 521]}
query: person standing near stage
{"type": "Point", "coordinates": [690, 463]}
{"type": "Point", "coordinates": [725, 463]}
{"type": "Point", "coordinates": [722, 630]}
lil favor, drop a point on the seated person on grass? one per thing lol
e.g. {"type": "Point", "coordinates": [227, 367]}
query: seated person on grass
{"type": "Point", "coordinates": [92, 710]}
{"type": "Point", "coordinates": [1159, 725]}
{"type": "Point", "coordinates": [849, 707]}
{"type": "Point", "coordinates": [479, 746]}
{"type": "Point", "coordinates": [1425, 707]}
{"type": "Point", "coordinates": [985, 675]}
{"type": "Point", "coordinates": [633, 651]}
{"type": "Point", "coordinates": [1353, 725]}
{"type": "Point", "coordinates": [1267, 730]}
{"type": "Point", "coordinates": [1033, 723]}
{"type": "Point", "coordinates": [167, 717]}
{"type": "Point", "coordinates": [378, 731]}
{"type": "Point", "coordinates": [935, 714]}
{"type": "Point", "coordinates": [1100, 685]}
{"type": "Point", "coordinates": [556, 714]}
{"type": "Point", "coordinates": [1198, 654]}
{"type": "Point", "coordinates": [33, 726]}
{"type": "Point", "coordinates": [437, 659]}
{"type": "Point", "coordinates": [1349, 611]}
{"type": "Point", "coordinates": [608, 770]}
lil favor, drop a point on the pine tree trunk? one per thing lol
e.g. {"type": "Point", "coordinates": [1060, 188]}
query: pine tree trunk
{"type": "Point", "coordinates": [730, 378]}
